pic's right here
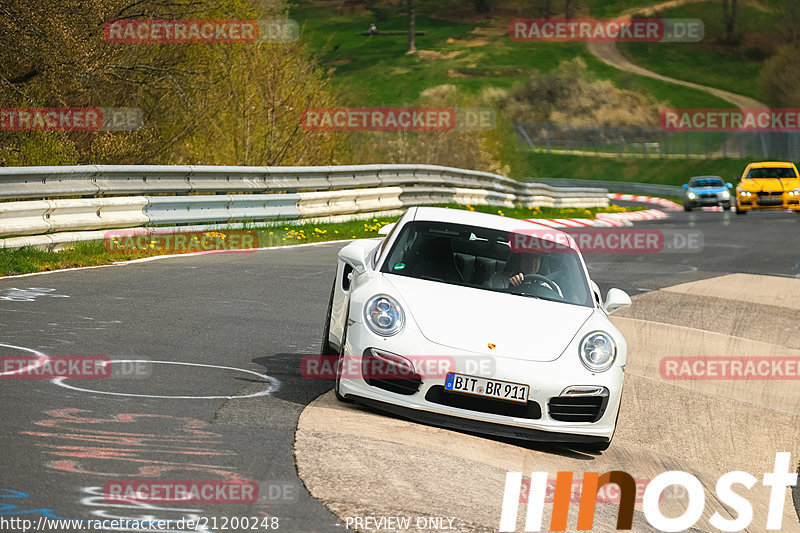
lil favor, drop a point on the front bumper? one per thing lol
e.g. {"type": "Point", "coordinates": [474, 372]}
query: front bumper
{"type": "Point", "coordinates": [538, 420]}
{"type": "Point", "coordinates": [768, 202]}
{"type": "Point", "coordinates": [707, 201]}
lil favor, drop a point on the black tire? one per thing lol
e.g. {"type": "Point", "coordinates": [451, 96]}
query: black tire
{"type": "Point", "coordinates": [603, 446]}
{"type": "Point", "coordinates": [726, 207]}
{"type": "Point", "coordinates": [326, 346]}
{"type": "Point", "coordinates": [341, 355]}
{"type": "Point", "coordinates": [740, 212]}
{"type": "Point", "coordinates": [594, 446]}
{"type": "Point", "coordinates": [687, 207]}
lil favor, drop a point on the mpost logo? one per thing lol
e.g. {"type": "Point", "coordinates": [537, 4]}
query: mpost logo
{"type": "Point", "coordinates": [377, 364]}
{"type": "Point", "coordinates": [624, 30]}
{"type": "Point", "coordinates": [200, 31]}
{"type": "Point", "coordinates": [138, 241]}
{"type": "Point", "coordinates": [70, 119]}
{"type": "Point", "coordinates": [609, 493]}
{"type": "Point", "coordinates": [730, 120]}
{"type": "Point", "coordinates": [779, 480]}
{"type": "Point", "coordinates": [606, 240]}
{"type": "Point", "coordinates": [730, 368]}
{"type": "Point", "coordinates": [182, 491]}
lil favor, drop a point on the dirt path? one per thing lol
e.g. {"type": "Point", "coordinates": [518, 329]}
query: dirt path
{"type": "Point", "coordinates": [610, 55]}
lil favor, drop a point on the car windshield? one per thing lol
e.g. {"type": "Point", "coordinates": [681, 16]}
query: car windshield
{"type": "Point", "coordinates": [771, 172]}
{"type": "Point", "coordinates": [482, 258]}
{"type": "Point", "coordinates": [707, 182]}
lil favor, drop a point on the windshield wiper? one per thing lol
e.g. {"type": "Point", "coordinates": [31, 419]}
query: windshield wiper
{"type": "Point", "coordinates": [539, 297]}
{"type": "Point", "coordinates": [529, 295]}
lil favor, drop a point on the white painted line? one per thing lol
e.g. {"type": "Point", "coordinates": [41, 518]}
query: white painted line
{"type": "Point", "coordinates": [274, 384]}
{"type": "Point", "coordinates": [41, 358]}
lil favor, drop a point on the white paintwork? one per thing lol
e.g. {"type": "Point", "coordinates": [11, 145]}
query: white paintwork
{"type": "Point", "coordinates": [536, 341]}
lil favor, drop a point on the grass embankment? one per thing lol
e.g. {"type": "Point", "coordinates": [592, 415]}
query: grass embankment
{"type": "Point", "coordinates": [475, 55]}
{"type": "Point", "coordinates": [373, 71]}
{"type": "Point", "coordinates": [653, 170]}
{"type": "Point", "coordinates": [93, 253]}
{"type": "Point", "coordinates": [734, 68]}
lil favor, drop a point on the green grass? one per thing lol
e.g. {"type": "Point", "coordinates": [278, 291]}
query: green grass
{"type": "Point", "coordinates": [93, 253]}
{"type": "Point", "coordinates": [372, 71]}
{"type": "Point", "coordinates": [29, 259]}
{"type": "Point", "coordinates": [654, 170]}
{"type": "Point", "coordinates": [709, 62]}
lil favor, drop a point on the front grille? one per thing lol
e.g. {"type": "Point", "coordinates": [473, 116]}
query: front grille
{"type": "Point", "coordinates": [577, 408]}
{"type": "Point", "coordinates": [438, 394]}
{"type": "Point", "coordinates": [770, 200]}
{"type": "Point", "coordinates": [388, 376]}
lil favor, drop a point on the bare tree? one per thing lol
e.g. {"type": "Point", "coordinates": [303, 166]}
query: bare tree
{"type": "Point", "coordinates": [411, 30]}
{"type": "Point", "coordinates": [789, 15]}
{"type": "Point", "coordinates": [730, 11]}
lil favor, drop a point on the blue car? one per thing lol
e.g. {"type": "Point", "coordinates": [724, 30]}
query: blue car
{"type": "Point", "coordinates": [702, 191]}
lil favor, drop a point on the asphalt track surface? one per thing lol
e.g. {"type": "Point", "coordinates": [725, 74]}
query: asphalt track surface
{"type": "Point", "coordinates": [258, 312]}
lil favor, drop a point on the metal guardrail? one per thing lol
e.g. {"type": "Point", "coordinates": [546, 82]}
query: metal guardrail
{"type": "Point", "coordinates": [49, 206]}
{"type": "Point", "coordinates": [624, 187]}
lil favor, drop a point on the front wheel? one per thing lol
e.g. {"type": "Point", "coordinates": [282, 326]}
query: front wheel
{"type": "Point", "coordinates": [687, 207]}
{"type": "Point", "coordinates": [326, 345]}
{"type": "Point", "coordinates": [340, 361]}
{"type": "Point", "coordinates": [740, 212]}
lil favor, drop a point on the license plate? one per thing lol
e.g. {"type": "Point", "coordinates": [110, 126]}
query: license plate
{"type": "Point", "coordinates": [488, 388]}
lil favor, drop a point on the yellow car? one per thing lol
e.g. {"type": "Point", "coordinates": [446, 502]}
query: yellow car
{"type": "Point", "coordinates": [768, 185]}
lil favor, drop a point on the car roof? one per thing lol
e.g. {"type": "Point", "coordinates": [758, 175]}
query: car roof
{"type": "Point", "coordinates": [473, 218]}
{"type": "Point", "coordinates": [705, 177]}
{"type": "Point", "coordinates": [771, 164]}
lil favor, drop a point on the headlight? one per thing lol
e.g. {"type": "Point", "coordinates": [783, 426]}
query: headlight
{"type": "Point", "coordinates": [383, 315]}
{"type": "Point", "coordinates": [691, 195]}
{"type": "Point", "coordinates": [725, 195]}
{"type": "Point", "coordinates": [744, 193]}
{"type": "Point", "coordinates": [598, 351]}
{"type": "Point", "coordinates": [795, 192]}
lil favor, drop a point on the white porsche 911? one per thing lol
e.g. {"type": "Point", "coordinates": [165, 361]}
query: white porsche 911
{"type": "Point", "coordinates": [445, 321]}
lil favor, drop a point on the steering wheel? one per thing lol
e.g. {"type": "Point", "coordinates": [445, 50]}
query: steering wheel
{"type": "Point", "coordinates": [548, 283]}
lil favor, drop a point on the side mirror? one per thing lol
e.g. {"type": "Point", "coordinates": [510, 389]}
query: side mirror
{"type": "Point", "coordinates": [685, 185]}
{"type": "Point", "coordinates": [386, 229]}
{"type": "Point", "coordinates": [616, 299]}
{"type": "Point", "coordinates": [354, 255]}
{"type": "Point", "coordinates": [729, 185]}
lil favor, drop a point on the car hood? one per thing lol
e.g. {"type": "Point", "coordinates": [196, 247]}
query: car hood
{"type": "Point", "coordinates": [708, 190]}
{"type": "Point", "coordinates": [471, 319]}
{"type": "Point", "coordinates": [769, 185]}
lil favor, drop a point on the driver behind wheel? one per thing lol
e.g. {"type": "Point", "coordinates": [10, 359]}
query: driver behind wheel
{"type": "Point", "coordinates": [517, 267]}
